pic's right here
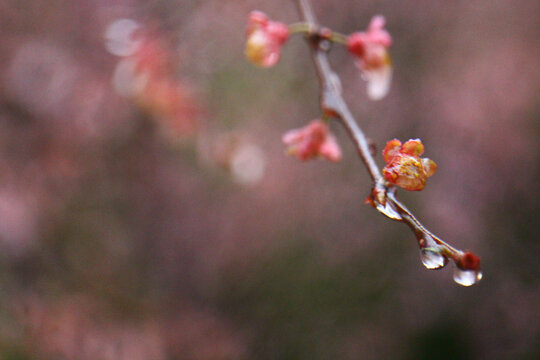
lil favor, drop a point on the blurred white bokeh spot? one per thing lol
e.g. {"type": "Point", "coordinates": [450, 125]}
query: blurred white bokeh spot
{"type": "Point", "coordinates": [248, 164]}
{"type": "Point", "coordinates": [120, 37]}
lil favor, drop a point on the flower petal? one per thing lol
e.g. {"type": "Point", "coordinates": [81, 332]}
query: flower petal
{"type": "Point", "coordinates": [278, 32]}
{"type": "Point", "coordinates": [378, 81]}
{"type": "Point", "coordinates": [391, 149]}
{"type": "Point", "coordinates": [413, 147]}
{"type": "Point", "coordinates": [264, 39]}
{"type": "Point", "coordinates": [292, 136]}
{"type": "Point", "coordinates": [256, 19]}
{"type": "Point", "coordinates": [330, 149]}
{"type": "Point", "coordinates": [356, 43]}
{"type": "Point", "coordinates": [257, 47]}
{"type": "Point", "coordinates": [312, 141]}
{"type": "Point", "coordinates": [377, 23]}
{"type": "Point", "coordinates": [429, 166]}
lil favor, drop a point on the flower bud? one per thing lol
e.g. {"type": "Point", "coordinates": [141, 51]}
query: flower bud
{"type": "Point", "coordinates": [264, 39]}
{"type": "Point", "coordinates": [404, 166]}
{"type": "Point", "coordinates": [312, 141]}
{"type": "Point", "coordinates": [468, 261]}
{"type": "Point", "coordinates": [373, 59]}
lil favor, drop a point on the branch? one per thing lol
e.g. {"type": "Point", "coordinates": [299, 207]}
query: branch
{"type": "Point", "coordinates": [435, 252]}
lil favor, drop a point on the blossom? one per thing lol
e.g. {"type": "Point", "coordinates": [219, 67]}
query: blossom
{"type": "Point", "coordinates": [264, 39]}
{"type": "Point", "coordinates": [404, 166]}
{"type": "Point", "coordinates": [312, 141]}
{"type": "Point", "coordinates": [373, 59]}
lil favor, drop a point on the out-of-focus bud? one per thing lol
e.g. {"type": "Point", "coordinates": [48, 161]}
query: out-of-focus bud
{"type": "Point", "coordinates": [373, 59]}
{"type": "Point", "coordinates": [264, 39]}
{"type": "Point", "coordinates": [312, 141]}
{"type": "Point", "coordinates": [404, 166]}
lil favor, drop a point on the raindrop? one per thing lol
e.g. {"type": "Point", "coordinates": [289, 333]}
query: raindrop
{"type": "Point", "coordinates": [432, 259]}
{"type": "Point", "coordinates": [388, 210]}
{"type": "Point", "coordinates": [467, 277]}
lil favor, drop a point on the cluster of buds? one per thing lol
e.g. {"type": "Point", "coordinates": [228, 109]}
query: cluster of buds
{"type": "Point", "coordinates": [404, 167]}
{"type": "Point", "coordinates": [264, 39]}
{"type": "Point", "coordinates": [370, 48]}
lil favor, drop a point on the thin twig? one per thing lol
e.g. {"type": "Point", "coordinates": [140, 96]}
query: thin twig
{"type": "Point", "coordinates": [332, 103]}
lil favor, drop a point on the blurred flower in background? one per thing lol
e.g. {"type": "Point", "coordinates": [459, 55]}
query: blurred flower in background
{"type": "Point", "coordinates": [264, 39]}
{"type": "Point", "coordinates": [146, 74]}
{"type": "Point", "coordinates": [371, 51]}
{"type": "Point", "coordinates": [312, 141]}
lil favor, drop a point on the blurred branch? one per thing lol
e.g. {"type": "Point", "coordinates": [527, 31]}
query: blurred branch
{"type": "Point", "coordinates": [333, 104]}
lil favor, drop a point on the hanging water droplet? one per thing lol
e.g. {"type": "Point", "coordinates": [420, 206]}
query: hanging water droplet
{"type": "Point", "coordinates": [467, 277]}
{"type": "Point", "coordinates": [432, 259]}
{"type": "Point", "coordinates": [389, 211]}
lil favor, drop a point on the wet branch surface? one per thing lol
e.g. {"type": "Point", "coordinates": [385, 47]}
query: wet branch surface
{"type": "Point", "coordinates": [333, 104]}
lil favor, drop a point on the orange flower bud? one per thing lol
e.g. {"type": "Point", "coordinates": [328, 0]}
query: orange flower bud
{"type": "Point", "coordinates": [404, 166]}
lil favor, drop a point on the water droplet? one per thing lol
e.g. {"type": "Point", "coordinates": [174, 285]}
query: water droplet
{"type": "Point", "coordinates": [432, 259]}
{"type": "Point", "coordinates": [389, 211]}
{"type": "Point", "coordinates": [467, 277]}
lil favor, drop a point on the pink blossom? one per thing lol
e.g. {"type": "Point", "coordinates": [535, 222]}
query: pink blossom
{"type": "Point", "coordinates": [312, 141]}
{"type": "Point", "coordinates": [264, 39]}
{"type": "Point", "coordinates": [373, 59]}
{"type": "Point", "coordinates": [404, 166]}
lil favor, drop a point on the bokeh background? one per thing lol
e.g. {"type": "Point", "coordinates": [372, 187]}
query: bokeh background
{"type": "Point", "coordinates": [147, 209]}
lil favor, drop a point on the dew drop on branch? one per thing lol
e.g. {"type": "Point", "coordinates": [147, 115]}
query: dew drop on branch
{"type": "Point", "coordinates": [432, 259]}
{"type": "Point", "coordinates": [467, 277]}
{"type": "Point", "coordinates": [389, 210]}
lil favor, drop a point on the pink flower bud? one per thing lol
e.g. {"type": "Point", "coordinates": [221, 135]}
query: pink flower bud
{"type": "Point", "coordinates": [404, 166]}
{"type": "Point", "coordinates": [311, 141]}
{"type": "Point", "coordinates": [373, 59]}
{"type": "Point", "coordinates": [264, 39]}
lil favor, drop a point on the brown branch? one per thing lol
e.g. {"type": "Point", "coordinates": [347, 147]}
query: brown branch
{"type": "Point", "coordinates": [333, 104]}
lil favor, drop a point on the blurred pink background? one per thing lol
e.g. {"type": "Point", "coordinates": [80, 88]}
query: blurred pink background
{"type": "Point", "coordinates": [147, 209]}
